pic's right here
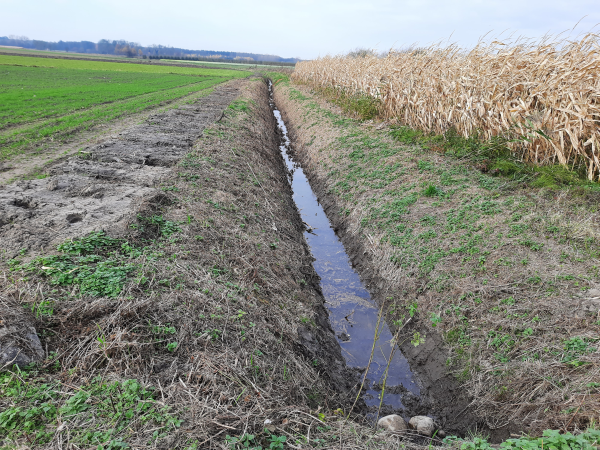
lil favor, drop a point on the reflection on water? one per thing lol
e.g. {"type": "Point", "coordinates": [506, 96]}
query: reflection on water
{"type": "Point", "coordinates": [353, 314]}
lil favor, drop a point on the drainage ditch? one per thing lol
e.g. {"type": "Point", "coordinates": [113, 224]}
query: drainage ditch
{"type": "Point", "coordinates": [353, 314]}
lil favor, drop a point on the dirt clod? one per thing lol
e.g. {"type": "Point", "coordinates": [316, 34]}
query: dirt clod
{"type": "Point", "coordinates": [19, 343]}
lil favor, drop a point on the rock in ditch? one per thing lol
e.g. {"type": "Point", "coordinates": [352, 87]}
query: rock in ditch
{"type": "Point", "coordinates": [392, 422]}
{"type": "Point", "coordinates": [423, 424]}
{"type": "Point", "coordinates": [19, 343]}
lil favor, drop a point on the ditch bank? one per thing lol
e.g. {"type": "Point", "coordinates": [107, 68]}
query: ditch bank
{"type": "Point", "coordinates": [182, 290]}
{"type": "Point", "coordinates": [437, 393]}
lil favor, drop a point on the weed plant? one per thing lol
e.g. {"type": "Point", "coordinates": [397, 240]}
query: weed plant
{"type": "Point", "coordinates": [97, 264]}
{"type": "Point", "coordinates": [550, 439]}
{"type": "Point", "coordinates": [101, 413]}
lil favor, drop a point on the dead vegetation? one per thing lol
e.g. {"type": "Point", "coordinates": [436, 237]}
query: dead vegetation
{"type": "Point", "coordinates": [508, 274]}
{"type": "Point", "coordinates": [539, 98]}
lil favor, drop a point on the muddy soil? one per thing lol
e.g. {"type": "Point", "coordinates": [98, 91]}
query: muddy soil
{"type": "Point", "coordinates": [442, 396]}
{"type": "Point", "coordinates": [98, 188]}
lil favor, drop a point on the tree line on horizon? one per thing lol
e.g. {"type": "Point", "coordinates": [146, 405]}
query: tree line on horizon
{"type": "Point", "coordinates": [133, 49]}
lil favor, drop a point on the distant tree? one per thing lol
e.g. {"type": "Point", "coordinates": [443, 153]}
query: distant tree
{"type": "Point", "coordinates": [359, 52]}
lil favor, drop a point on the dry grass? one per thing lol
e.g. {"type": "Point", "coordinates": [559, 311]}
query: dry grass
{"type": "Point", "coordinates": [540, 97]}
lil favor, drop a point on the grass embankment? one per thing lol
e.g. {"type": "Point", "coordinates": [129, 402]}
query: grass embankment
{"type": "Point", "coordinates": [499, 266]}
{"type": "Point", "coordinates": [44, 100]}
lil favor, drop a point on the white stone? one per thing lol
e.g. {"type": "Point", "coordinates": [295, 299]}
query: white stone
{"type": "Point", "coordinates": [392, 423]}
{"type": "Point", "coordinates": [423, 424]}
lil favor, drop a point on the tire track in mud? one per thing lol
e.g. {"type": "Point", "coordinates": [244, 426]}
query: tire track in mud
{"type": "Point", "coordinates": [100, 188]}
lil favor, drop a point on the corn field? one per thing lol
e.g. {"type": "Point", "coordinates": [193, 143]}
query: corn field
{"type": "Point", "coordinates": [543, 97]}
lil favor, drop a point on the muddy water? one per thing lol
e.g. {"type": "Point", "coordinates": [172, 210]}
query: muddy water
{"type": "Point", "coordinates": [352, 312]}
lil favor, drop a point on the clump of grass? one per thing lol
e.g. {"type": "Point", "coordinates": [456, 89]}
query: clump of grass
{"type": "Point", "coordinates": [494, 158]}
{"type": "Point", "coordinates": [431, 191]}
{"type": "Point", "coordinates": [551, 439]}
{"type": "Point", "coordinates": [97, 264]}
{"type": "Point", "coordinates": [101, 409]}
{"type": "Point", "coordinates": [357, 105]}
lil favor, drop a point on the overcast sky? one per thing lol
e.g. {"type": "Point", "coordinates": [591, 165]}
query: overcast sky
{"type": "Point", "coordinates": [288, 28]}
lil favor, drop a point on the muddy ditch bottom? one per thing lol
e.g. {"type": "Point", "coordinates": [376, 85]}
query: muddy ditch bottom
{"type": "Point", "coordinates": [354, 316]}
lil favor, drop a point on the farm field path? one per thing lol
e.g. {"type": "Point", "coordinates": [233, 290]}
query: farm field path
{"type": "Point", "coordinates": [34, 165]}
{"type": "Point", "coordinates": [51, 106]}
{"type": "Point", "coordinates": [118, 169]}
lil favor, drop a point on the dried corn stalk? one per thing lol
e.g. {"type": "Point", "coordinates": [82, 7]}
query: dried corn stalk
{"type": "Point", "coordinates": [543, 97]}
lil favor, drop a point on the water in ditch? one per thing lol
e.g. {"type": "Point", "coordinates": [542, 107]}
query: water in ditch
{"type": "Point", "coordinates": [352, 312]}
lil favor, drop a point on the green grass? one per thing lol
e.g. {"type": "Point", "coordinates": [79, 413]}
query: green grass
{"type": "Point", "coordinates": [30, 94]}
{"type": "Point", "coordinates": [104, 413]}
{"type": "Point", "coordinates": [98, 264]}
{"type": "Point", "coordinates": [41, 104]}
{"type": "Point", "coordinates": [495, 158]}
{"type": "Point", "coordinates": [551, 439]}
{"type": "Point", "coordinates": [31, 61]}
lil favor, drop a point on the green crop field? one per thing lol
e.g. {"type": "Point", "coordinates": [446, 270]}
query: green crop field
{"type": "Point", "coordinates": [224, 65]}
{"type": "Point", "coordinates": [32, 61]}
{"type": "Point", "coordinates": [59, 54]}
{"type": "Point", "coordinates": [46, 99]}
